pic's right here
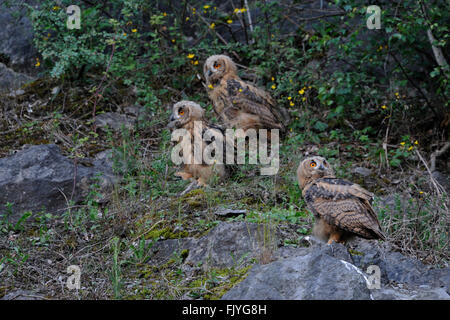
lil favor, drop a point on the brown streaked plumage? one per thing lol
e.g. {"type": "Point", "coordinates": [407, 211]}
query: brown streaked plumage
{"type": "Point", "coordinates": [342, 208]}
{"type": "Point", "coordinates": [237, 103]}
{"type": "Point", "coordinates": [184, 114]}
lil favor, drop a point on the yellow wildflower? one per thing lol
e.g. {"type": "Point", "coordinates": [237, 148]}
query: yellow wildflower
{"type": "Point", "coordinates": [416, 142]}
{"type": "Point", "coordinates": [190, 55]}
{"type": "Point", "coordinates": [173, 40]}
{"type": "Point", "coordinates": [210, 86]}
{"type": "Point", "coordinates": [402, 143]}
{"type": "Point", "coordinates": [383, 107]}
{"type": "Point", "coordinates": [421, 192]}
{"type": "Point", "coordinates": [301, 92]}
{"type": "Point", "coordinates": [124, 34]}
{"type": "Point", "coordinates": [410, 148]}
{"type": "Point", "coordinates": [291, 104]}
{"type": "Point", "coordinates": [289, 98]}
{"type": "Point", "coordinates": [274, 86]}
{"type": "Point", "coordinates": [55, 8]}
{"type": "Point", "coordinates": [273, 79]}
{"type": "Point", "coordinates": [195, 62]}
{"type": "Point", "coordinates": [240, 90]}
{"type": "Point", "coordinates": [187, 18]}
{"type": "Point", "coordinates": [212, 25]}
{"type": "Point", "coordinates": [206, 7]}
{"type": "Point", "coordinates": [304, 99]}
{"type": "Point", "coordinates": [133, 30]}
{"type": "Point", "coordinates": [229, 21]}
{"type": "Point", "coordinates": [38, 63]}
{"type": "Point", "coordinates": [164, 14]}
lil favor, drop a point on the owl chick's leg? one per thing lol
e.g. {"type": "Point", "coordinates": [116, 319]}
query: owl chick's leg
{"type": "Point", "coordinates": [336, 237]}
{"type": "Point", "coordinates": [201, 182]}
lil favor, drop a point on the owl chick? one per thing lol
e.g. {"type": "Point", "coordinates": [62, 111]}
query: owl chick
{"type": "Point", "coordinates": [186, 115]}
{"type": "Point", "coordinates": [237, 103]}
{"type": "Point", "coordinates": [342, 208]}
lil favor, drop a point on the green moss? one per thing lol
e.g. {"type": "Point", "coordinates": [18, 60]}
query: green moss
{"type": "Point", "coordinates": [184, 254]}
{"type": "Point", "coordinates": [166, 233]}
{"type": "Point", "coordinates": [355, 253]}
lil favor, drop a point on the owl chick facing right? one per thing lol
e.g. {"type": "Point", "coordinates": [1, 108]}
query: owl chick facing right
{"type": "Point", "coordinates": [341, 208]}
{"type": "Point", "coordinates": [239, 104]}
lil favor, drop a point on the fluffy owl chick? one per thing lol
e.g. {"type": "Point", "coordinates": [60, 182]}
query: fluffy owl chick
{"type": "Point", "coordinates": [237, 103]}
{"type": "Point", "coordinates": [342, 208]}
{"type": "Point", "coordinates": [184, 115]}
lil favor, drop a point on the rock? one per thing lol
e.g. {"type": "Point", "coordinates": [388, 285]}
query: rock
{"type": "Point", "coordinates": [412, 294]}
{"type": "Point", "coordinates": [319, 271]}
{"type": "Point", "coordinates": [443, 180]}
{"type": "Point", "coordinates": [114, 120]}
{"type": "Point", "coordinates": [316, 275]}
{"type": "Point", "coordinates": [41, 177]}
{"type": "Point", "coordinates": [11, 80]}
{"type": "Point", "coordinates": [16, 36]}
{"type": "Point", "coordinates": [395, 267]}
{"type": "Point", "coordinates": [23, 295]}
{"type": "Point", "coordinates": [227, 245]}
{"type": "Point", "coordinates": [365, 172]}
{"type": "Point", "coordinates": [16, 93]}
{"type": "Point", "coordinates": [223, 212]}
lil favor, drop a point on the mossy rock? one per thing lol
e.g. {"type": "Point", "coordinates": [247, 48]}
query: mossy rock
{"type": "Point", "coordinates": [166, 233]}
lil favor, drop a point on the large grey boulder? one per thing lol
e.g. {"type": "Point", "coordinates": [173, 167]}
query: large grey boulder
{"type": "Point", "coordinates": [41, 178]}
{"type": "Point", "coordinates": [313, 275]}
{"type": "Point", "coordinates": [330, 272]}
{"type": "Point", "coordinates": [319, 271]}
{"type": "Point", "coordinates": [397, 268]}
{"type": "Point", "coordinates": [229, 244]}
{"type": "Point", "coordinates": [11, 80]}
{"type": "Point", "coordinates": [16, 35]}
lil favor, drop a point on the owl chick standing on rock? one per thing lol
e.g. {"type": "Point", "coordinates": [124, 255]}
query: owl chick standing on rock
{"type": "Point", "coordinates": [237, 103]}
{"type": "Point", "coordinates": [341, 208]}
{"type": "Point", "coordinates": [184, 115]}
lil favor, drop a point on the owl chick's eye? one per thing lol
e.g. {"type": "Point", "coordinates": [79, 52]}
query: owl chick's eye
{"type": "Point", "coordinates": [312, 164]}
{"type": "Point", "coordinates": [181, 112]}
{"type": "Point", "coordinates": [217, 65]}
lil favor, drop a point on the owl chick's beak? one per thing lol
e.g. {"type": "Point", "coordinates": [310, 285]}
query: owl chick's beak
{"type": "Point", "coordinates": [172, 122]}
{"type": "Point", "coordinates": [209, 73]}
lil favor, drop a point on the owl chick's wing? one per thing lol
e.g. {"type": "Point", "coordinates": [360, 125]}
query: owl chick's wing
{"type": "Point", "coordinates": [345, 205]}
{"type": "Point", "coordinates": [252, 100]}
